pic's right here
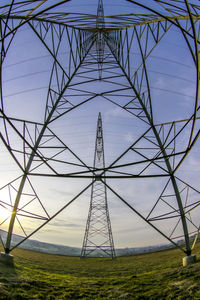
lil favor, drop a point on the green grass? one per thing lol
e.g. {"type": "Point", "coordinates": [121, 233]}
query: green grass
{"type": "Point", "coordinates": [149, 276]}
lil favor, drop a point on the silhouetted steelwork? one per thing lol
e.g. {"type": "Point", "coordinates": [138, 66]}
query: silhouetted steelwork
{"type": "Point", "coordinates": [98, 239]}
{"type": "Point", "coordinates": [100, 42]}
{"type": "Point", "coordinates": [101, 48]}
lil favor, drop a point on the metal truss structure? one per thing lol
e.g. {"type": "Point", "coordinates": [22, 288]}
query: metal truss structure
{"type": "Point", "coordinates": [98, 239]}
{"type": "Point", "coordinates": [109, 58]}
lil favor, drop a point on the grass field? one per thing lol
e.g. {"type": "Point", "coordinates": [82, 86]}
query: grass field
{"type": "Point", "coordinates": [149, 276]}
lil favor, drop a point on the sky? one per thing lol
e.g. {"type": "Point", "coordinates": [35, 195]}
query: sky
{"type": "Point", "coordinates": [26, 73]}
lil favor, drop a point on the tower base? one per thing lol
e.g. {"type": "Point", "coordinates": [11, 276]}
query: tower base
{"type": "Point", "coordinates": [7, 259]}
{"type": "Point", "coordinates": [188, 260]}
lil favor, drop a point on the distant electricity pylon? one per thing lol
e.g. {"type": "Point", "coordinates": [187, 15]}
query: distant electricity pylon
{"type": "Point", "coordinates": [98, 239]}
{"type": "Point", "coordinates": [121, 61]}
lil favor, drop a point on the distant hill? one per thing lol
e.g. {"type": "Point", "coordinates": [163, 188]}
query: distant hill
{"type": "Point", "coordinates": [41, 246]}
{"type": "Point", "coordinates": [75, 251]}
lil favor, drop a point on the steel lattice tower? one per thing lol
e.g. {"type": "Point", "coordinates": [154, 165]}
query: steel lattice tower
{"type": "Point", "coordinates": [98, 239]}
{"type": "Point", "coordinates": [119, 60]}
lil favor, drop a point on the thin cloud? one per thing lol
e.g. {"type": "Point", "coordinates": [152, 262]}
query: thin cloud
{"type": "Point", "coordinates": [62, 193]}
{"type": "Point", "coordinates": [61, 223]}
{"type": "Point", "coordinates": [115, 112]}
{"type": "Point", "coordinates": [129, 137]}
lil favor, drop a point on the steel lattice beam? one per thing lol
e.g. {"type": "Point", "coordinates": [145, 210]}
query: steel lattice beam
{"type": "Point", "coordinates": [103, 45]}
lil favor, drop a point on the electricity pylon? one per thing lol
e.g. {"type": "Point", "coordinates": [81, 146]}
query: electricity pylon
{"type": "Point", "coordinates": [116, 52]}
{"type": "Point", "coordinates": [98, 239]}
